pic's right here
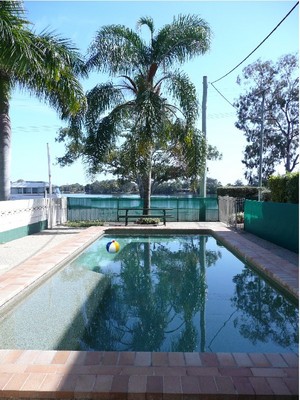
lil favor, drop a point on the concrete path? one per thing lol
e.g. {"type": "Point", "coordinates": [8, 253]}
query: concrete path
{"type": "Point", "coordinates": [17, 251]}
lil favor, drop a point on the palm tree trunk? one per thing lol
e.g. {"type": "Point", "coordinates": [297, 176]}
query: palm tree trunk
{"type": "Point", "coordinates": [145, 181]}
{"type": "Point", "coordinates": [5, 139]}
{"type": "Point", "coordinates": [147, 191]}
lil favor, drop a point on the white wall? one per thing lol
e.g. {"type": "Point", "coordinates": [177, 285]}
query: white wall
{"type": "Point", "coordinates": [18, 213]}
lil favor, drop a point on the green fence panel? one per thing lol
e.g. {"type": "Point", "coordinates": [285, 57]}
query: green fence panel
{"type": "Point", "coordinates": [106, 208]}
{"type": "Point", "coordinates": [276, 222]}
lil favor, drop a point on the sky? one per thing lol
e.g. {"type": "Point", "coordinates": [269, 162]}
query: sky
{"type": "Point", "coordinates": [238, 27]}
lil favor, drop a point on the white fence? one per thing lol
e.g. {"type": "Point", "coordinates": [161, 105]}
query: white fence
{"type": "Point", "coordinates": [17, 214]}
{"type": "Point", "coordinates": [57, 212]}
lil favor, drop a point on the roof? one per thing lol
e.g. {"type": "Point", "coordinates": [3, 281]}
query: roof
{"type": "Point", "coordinates": [28, 184]}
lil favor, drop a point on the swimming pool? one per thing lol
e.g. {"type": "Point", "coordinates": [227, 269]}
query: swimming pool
{"type": "Point", "coordinates": [159, 293]}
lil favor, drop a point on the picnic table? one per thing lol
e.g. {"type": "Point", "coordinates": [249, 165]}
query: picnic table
{"type": "Point", "coordinates": [136, 213]}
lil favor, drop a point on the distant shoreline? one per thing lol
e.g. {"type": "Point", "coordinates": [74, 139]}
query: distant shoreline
{"type": "Point", "coordinates": [135, 196]}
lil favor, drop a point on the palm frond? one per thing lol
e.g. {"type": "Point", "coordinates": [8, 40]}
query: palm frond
{"type": "Point", "coordinates": [101, 140]}
{"type": "Point", "coordinates": [12, 14]}
{"type": "Point", "coordinates": [189, 148]}
{"type": "Point", "coordinates": [148, 21]}
{"type": "Point", "coordinates": [45, 64]}
{"type": "Point", "coordinates": [117, 50]}
{"type": "Point", "coordinates": [195, 152]}
{"type": "Point", "coordinates": [101, 99]}
{"type": "Point", "coordinates": [15, 36]}
{"type": "Point", "coordinates": [49, 70]}
{"type": "Point", "coordinates": [186, 37]}
{"type": "Point", "coordinates": [57, 49]}
{"type": "Point", "coordinates": [131, 86]}
{"type": "Point", "coordinates": [184, 92]}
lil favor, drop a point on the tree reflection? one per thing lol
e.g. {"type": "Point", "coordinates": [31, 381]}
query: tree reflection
{"type": "Point", "coordinates": [152, 303]}
{"type": "Point", "coordinates": [266, 314]}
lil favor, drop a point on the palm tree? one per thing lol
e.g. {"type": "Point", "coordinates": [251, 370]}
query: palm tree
{"type": "Point", "coordinates": [45, 65]}
{"type": "Point", "coordinates": [146, 106]}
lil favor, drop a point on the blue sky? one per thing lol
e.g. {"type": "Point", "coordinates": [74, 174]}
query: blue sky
{"type": "Point", "coordinates": [237, 26]}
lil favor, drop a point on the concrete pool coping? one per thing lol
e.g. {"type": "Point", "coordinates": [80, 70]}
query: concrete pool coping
{"type": "Point", "coordinates": [143, 375]}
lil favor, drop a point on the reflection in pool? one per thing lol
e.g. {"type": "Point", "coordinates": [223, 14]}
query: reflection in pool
{"type": "Point", "coordinates": [158, 293]}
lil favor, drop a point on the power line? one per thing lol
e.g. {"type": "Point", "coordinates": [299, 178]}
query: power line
{"type": "Point", "coordinates": [220, 115]}
{"type": "Point", "coordinates": [259, 44]}
{"type": "Point", "coordinates": [257, 92]}
{"type": "Point", "coordinates": [222, 95]}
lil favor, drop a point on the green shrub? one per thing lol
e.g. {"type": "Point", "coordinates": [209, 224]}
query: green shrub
{"type": "Point", "coordinates": [240, 218]}
{"type": "Point", "coordinates": [84, 224]}
{"type": "Point", "coordinates": [292, 187]}
{"type": "Point", "coordinates": [285, 188]}
{"type": "Point", "coordinates": [148, 221]}
{"type": "Point", "coordinates": [277, 185]}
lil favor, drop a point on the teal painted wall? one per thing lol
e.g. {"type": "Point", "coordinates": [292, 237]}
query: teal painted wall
{"type": "Point", "coordinates": [276, 222]}
{"type": "Point", "coordinates": [22, 231]}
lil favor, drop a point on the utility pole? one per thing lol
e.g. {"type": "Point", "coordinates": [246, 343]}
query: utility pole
{"type": "Point", "coordinates": [204, 102]}
{"type": "Point", "coordinates": [261, 144]}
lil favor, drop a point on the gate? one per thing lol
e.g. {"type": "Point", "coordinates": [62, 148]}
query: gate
{"type": "Point", "coordinates": [231, 211]}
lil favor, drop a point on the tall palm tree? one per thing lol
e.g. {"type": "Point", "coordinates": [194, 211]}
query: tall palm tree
{"type": "Point", "coordinates": [45, 65]}
{"type": "Point", "coordinates": [149, 100]}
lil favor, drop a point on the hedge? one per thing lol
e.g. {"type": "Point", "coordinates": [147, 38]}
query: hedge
{"type": "Point", "coordinates": [244, 192]}
{"type": "Point", "coordinates": [285, 188]}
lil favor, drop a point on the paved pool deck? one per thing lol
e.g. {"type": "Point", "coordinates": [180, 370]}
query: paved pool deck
{"type": "Point", "coordinates": [25, 374]}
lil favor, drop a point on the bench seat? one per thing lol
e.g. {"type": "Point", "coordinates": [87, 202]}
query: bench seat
{"type": "Point", "coordinates": [127, 216]}
{"type": "Point", "coordinates": [144, 216]}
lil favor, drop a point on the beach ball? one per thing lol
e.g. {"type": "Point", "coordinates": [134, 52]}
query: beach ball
{"type": "Point", "coordinates": [112, 247]}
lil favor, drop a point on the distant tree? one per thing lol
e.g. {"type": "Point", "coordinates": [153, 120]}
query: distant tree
{"type": "Point", "coordinates": [238, 182]}
{"type": "Point", "coordinates": [170, 167]}
{"type": "Point", "coordinates": [280, 84]}
{"type": "Point", "coordinates": [72, 188]}
{"type": "Point", "coordinates": [144, 108]}
{"type": "Point", "coordinates": [45, 65]}
{"type": "Point", "coordinates": [110, 186]}
{"type": "Point", "coordinates": [123, 186]}
{"type": "Point", "coordinates": [212, 185]}
{"type": "Point", "coordinates": [168, 188]}
{"type": "Point", "coordinates": [128, 187]}
{"type": "Point", "coordinates": [104, 187]}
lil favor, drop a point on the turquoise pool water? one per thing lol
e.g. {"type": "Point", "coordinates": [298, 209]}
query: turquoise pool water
{"type": "Point", "coordinates": [158, 293]}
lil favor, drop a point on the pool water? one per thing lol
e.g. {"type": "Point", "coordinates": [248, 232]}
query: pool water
{"type": "Point", "coordinates": [158, 293]}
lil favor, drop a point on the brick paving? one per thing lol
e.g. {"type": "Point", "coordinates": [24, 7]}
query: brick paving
{"type": "Point", "coordinates": [143, 375]}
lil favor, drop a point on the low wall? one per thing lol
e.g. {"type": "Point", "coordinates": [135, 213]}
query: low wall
{"type": "Point", "coordinates": [20, 218]}
{"type": "Point", "coordinates": [276, 222]}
